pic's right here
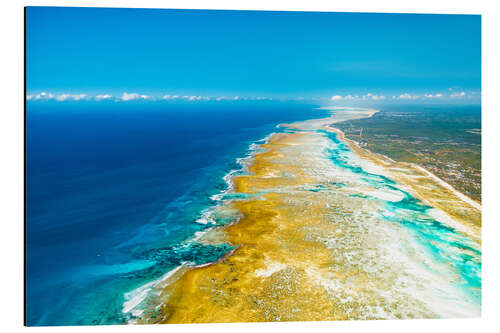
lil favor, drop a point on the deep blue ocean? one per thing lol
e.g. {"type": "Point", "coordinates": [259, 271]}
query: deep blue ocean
{"type": "Point", "coordinates": [114, 188]}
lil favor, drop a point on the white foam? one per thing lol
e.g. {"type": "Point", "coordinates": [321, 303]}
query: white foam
{"type": "Point", "coordinates": [206, 217]}
{"type": "Point", "coordinates": [137, 296]}
{"type": "Point", "coordinates": [199, 234]}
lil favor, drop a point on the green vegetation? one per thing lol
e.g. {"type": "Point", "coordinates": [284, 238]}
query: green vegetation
{"type": "Point", "coordinates": [445, 140]}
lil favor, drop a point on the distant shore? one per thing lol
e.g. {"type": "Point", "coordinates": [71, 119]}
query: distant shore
{"type": "Point", "coordinates": [449, 200]}
{"type": "Point", "coordinates": [440, 181]}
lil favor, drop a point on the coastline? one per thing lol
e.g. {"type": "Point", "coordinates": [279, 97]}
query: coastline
{"type": "Point", "coordinates": [262, 261]}
{"type": "Point", "coordinates": [419, 180]}
{"type": "Point", "coordinates": [145, 296]}
{"type": "Point", "coordinates": [440, 181]}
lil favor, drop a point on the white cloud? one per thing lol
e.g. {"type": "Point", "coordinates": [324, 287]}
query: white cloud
{"type": "Point", "coordinates": [169, 97]}
{"type": "Point", "coordinates": [65, 97]}
{"type": "Point", "coordinates": [377, 97]}
{"type": "Point", "coordinates": [191, 98]}
{"type": "Point", "coordinates": [62, 97]}
{"type": "Point", "coordinates": [103, 97]}
{"type": "Point", "coordinates": [348, 97]}
{"type": "Point", "coordinates": [439, 95]}
{"type": "Point", "coordinates": [129, 97]}
{"type": "Point", "coordinates": [79, 97]}
{"type": "Point", "coordinates": [44, 95]}
{"type": "Point", "coordinates": [405, 96]}
{"type": "Point", "coordinates": [458, 94]}
{"type": "Point", "coordinates": [366, 97]}
{"type": "Point", "coordinates": [124, 97]}
{"type": "Point", "coordinates": [41, 96]}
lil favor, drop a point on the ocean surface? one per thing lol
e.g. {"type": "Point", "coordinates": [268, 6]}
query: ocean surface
{"type": "Point", "coordinates": [116, 191]}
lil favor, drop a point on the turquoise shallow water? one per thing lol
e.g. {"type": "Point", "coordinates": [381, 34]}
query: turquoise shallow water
{"type": "Point", "coordinates": [448, 248]}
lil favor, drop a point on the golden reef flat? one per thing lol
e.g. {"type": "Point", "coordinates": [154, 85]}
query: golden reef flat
{"type": "Point", "coordinates": [308, 254]}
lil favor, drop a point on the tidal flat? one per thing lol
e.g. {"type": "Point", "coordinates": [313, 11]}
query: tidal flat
{"type": "Point", "coordinates": [327, 230]}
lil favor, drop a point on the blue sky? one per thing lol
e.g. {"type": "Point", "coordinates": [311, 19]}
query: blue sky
{"type": "Point", "coordinates": [79, 53]}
